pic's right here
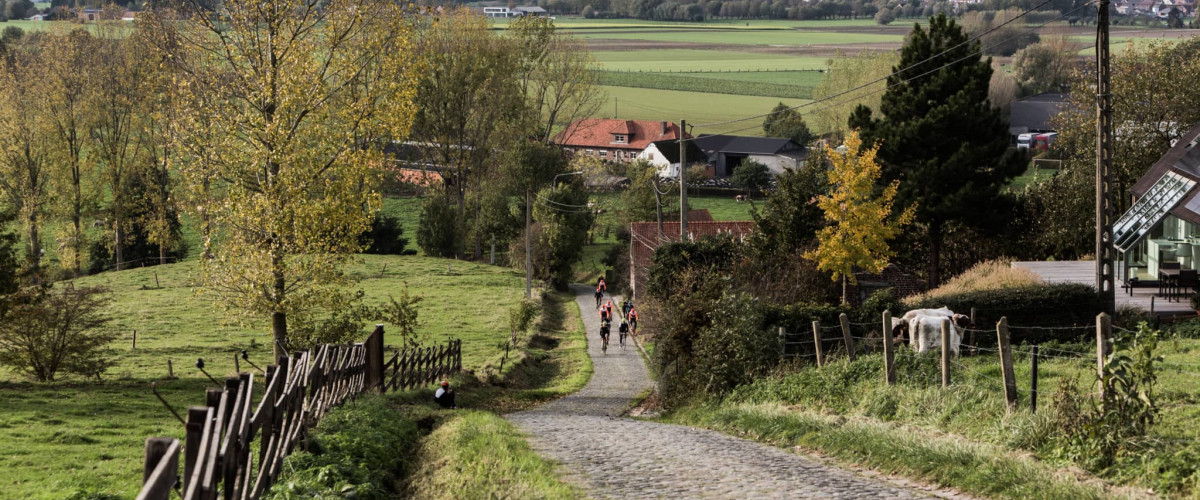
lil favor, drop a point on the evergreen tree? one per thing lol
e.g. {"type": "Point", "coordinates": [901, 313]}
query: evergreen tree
{"type": "Point", "coordinates": [939, 133]}
{"type": "Point", "coordinates": [786, 122]}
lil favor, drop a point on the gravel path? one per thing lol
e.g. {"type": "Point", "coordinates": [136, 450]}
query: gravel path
{"type": "Point", "coordinates": [615, 457]}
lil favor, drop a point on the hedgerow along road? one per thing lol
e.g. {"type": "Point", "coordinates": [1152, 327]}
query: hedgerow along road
{"type": "Point", "coordinates": [612, 456]}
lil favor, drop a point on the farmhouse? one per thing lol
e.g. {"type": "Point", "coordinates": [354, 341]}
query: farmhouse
{"type": "Point", "coordinates": [645, 239]}
{"type": "Point", "coordinates": [727, 152]}
{"type": "Point", "coordinates": [665, 156]}
{"type": "Point", "coordinates": [515, 12]}
{"type": "Point", "coordinates": [1162, 228]}
{"type": "Point", "coordinates": [612, 139]}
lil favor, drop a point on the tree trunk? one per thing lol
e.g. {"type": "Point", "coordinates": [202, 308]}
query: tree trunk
{"type": "Point", "coordinates": [76, 219]}
{"type": "Point", "coordinates": [935, 254]}
{"type": "Point", "coordinates": [843, 289]}
{"type": "Point", "coordinates": [279, 318]}
{"type": "Point", "coordinates": [528, 244]}
{"type": "Point", "coordinates": [118, 252]}
{"type": "Point", "coordinates": [35, 248]}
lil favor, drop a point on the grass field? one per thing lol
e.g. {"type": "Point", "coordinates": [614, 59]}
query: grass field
{"type": "Point", "coordinates": [83, 435]}
{"type": "Point", "coordinates": [579, 23]}
{"type": "Point", "coordinates": [688, 83]}
{"type": "Point", "coordinates": [963, 437]}
{"type": "Point", "coordinates": [744, 37]}
{"type": "Point", "coordinates": [690, 60]}
{"type": "Point", "coordinates": [695, 107]}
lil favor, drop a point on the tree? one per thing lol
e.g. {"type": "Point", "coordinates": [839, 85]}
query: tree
{"type": "Point", "coordinates": [10, 267]}
{"type": "Point", "coordinates": [860, 223]}
{"type": "Point", "coordinates": [284, 110]}
{"type": "Point", "coordinates": [19, 9]}
{"type": "Point", "coordinates": [941, 135]}
{"type": "Point", "coordinates": [1044, 66]}
{"type": "Point", "coordinates": [751, 176]}
{"type": "Point", "coordinates": [66, 99]}
{"type": "Point", "coordinates": [1008, 37]}
{"type": "Point", "coordinates": [786, 122]}
{"type": "Point", "coordinates": [44, 333]}
{"type": "Point", "coordinates": [555, 74]}
{"type": "Point", "coordinates": [437, 233]}
{"type": "Point", "coordinates": [24, 166]}
{"type": "Point", "coordinates": [469, 105]}
{"type": "Point", "coordinates": [642, 201]}
{"type": "Point", "coordinates": [885, 16]}
{"type": "Point", "coordinates": [844, 73]}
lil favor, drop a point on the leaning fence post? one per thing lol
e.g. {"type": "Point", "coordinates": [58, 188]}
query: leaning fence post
{"type": "Point", "coordinates": [1033, 375]}
{"type": "Point", "coordinates": [889, 359]}
{"type": "Point", "coordinates": [945, 353]}
{"type": "Point", "coordinates": [374, 361]}
{"type": "Point", "coordinates": [816, 325]}
{"type": "Point", "coordinates": [845, 322]}
{"type": "Point", "coordinates": [1010, 383]}
{"type": "Point", "coordinates": [1103, 334]}
{"type": "Point", "coordinates": [973, 344]}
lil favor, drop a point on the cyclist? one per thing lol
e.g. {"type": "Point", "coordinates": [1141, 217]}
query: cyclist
{"type": "Point", "coordinates": [605, 317]}
{"type": "Point", "coordinates": [604, 337]}
{"type": "Point", "coordinates": [633, 317]}
{"type": "Point", "coordinates": [626, 306]}
{"type": "Point", "coordinates": [623, 330]}
{"type": "Point", "coordinates": [601, 286]}
{"type": "Point", "coordinates": [599, 295]}
{"type": "Point", "coordinates": [609, 305]}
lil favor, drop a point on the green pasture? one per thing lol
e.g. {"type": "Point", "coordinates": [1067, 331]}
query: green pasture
{"type": "Point", "coordinates": [83, 435]}
{"type": "Point", "coordinates": [745, 37]}
{"type": "Point", "coordinates": [698, 60]}
{"type": "Point", "coordinates": [687, 82]}
{"type": "Point", "coordinates": [408, 211]}
{"type": "Point", "coordinates": [695, 107]}
{"type": "Point", "coordinates": [579, 23]}
{"type": "Point", "coordinates": [808, 79]}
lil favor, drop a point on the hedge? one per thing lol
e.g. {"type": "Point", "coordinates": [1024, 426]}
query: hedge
{"type": "Point", "coordinates": [1043, 305]}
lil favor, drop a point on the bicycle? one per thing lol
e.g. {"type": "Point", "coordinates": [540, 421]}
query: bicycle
{"type": "Point", "coordinates": [622, 340]}
{"type": "Point", "coordinates": [604, 344]}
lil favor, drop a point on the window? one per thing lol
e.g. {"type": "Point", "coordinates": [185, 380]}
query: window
{"type": "Point", "coordinates": [603, 153]}
{"type": "Point", "coordinates": [619, 138]}
{"type": "Point", "coordinates": [1150, 209]}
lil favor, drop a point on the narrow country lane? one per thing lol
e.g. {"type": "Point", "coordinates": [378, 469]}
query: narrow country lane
{"type": "Point", "coordinates": [616, 457]}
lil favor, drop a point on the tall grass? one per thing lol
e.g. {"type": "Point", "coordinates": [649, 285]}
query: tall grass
{"type": "Point", "coordinates": [987, 275]}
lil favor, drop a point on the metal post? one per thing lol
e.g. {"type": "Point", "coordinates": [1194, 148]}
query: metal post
{"type": "Point", "coordinates": [1104, 209]}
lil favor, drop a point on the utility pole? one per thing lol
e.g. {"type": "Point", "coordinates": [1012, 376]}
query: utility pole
{"type": "Point", "coordinates": [683, 212]}
{"type": "Point", "coordinates": [528, 243]}
{"type": "Point", "coordinates": [1104, 209]}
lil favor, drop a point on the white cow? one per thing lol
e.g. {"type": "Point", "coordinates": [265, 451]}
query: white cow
{"type": "Point", "coordinates": [926, 334]}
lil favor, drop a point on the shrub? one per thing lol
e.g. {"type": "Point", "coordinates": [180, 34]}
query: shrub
{"type": "Point", "coordinates": [43, 333]}
{"type": "Point", "coordinates": [10, 268]}
{"type": "Point", "coordinates": [385, 236]}
{"type": "Point", "coordinates": [1046, 305]}
{"type": "Point", "coordinates": [437, 233]}
{"type": "Point", "coordinates": [987, 275]}
{"type": "Point", "coordinates": [735, 348]}
{"type": "Point", "coordinates": [356, 451]}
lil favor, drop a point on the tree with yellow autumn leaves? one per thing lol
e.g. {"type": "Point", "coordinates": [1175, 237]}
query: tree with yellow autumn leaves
{"type": "Point", "coordinates": [860, 222]}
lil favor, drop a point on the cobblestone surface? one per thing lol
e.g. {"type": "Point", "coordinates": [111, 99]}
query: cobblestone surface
{"type": "Point", "coordinates": [616, 457]}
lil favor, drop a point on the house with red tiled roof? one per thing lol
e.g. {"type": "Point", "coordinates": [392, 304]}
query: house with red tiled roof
{"type": "Point", "coordinates": [612, 139]}
{"type": "Point", "coordinates": [645, 239]}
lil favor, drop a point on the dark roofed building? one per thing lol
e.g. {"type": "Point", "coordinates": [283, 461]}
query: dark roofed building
{"type": "Point", "coordinates": [1163, 225]}
{"type": "Point", "coordinates": [726, 152]}
{"type": "Point", "coordinates": [1033, 114]}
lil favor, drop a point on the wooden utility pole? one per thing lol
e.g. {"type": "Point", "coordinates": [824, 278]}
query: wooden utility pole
{"type": "Point", "coordinates": [1104, 209]}
{"type": "Point", "coordinates": [683, 211]}
{"type": "Point", "coordinates": [528, 243]}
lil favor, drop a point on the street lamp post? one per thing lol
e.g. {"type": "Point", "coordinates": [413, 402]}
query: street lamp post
{"type": "Point", "coordinates": [528, 236]}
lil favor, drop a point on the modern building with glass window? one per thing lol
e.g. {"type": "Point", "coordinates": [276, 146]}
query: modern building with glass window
{"type": "Point", "coordinates": [1161, 230]}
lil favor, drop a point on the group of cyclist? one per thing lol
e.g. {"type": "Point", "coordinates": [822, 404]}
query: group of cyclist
{"type": "Point", "coordinates": [629, 316]}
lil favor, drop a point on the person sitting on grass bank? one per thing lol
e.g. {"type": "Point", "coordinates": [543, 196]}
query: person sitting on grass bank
{"type": "Point", "coordinates": [445, 396]}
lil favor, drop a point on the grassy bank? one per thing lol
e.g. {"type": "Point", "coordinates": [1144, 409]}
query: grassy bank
{"type": "Point", "coordinates": [963, 436]}
{"type": "Point", "coordinates": [477, 454]}
{"type": "Point", "coordinates": [82, 435]}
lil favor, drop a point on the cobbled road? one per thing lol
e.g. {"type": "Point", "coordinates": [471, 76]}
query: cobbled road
{"type": "Point", "coordinates": [611, 456]}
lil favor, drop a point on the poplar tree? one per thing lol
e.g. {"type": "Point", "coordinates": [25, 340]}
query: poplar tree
{"type": "Point", "coordinates": [284, 106]}
{"type": "Point", "coordinates": [939, 133]}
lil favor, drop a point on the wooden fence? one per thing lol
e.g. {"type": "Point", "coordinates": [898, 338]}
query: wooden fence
{"type": "Point", "coordinates": [820, 343]}
{"type": "Point", "coordinates": [219, 458]}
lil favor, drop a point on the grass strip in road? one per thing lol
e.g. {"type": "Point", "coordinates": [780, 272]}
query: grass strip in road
{"type": "Point", "coordinates": [477, 454]}
{"type": "Point", "coordinates": [946, 460]}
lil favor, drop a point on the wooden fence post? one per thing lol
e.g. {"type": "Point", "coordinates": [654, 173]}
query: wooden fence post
{"type": "Point", "coordinates": [161, 469]}
{"type": "Point", "coordinates": [1103, 334]}
{"type": "Point", "coordinates": [845, 322]}
{"type": "Point", "coordinates": [782, 344]}
{"type": "Point", "coordinates": [1010, 382]}
{"type": "Point", "coordinates": [945, 353]}
{"type": "Point", "coordinates": [973, 344]}
{"type": "Point", "coordinates": [1033, 375]}
{"type": "Point", "coordinates": [374, 366]}
{"type": "Point", "coordinates": [889, 356]}
{"type": "Point", "coordinates": [816, 326]}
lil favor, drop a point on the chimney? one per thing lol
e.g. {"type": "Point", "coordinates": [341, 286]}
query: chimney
{"type": "Point", "coordinates": [664, 128]}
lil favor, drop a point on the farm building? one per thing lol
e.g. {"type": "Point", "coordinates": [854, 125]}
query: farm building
{"type": "Point", "coordinates": [1032, 114]}
{"type": "Point", "coordinates": [612, 139]}
{"type": "Point", "coordinates": [724, 153]}
{"type": "Point", "coordinates": [645, 239]}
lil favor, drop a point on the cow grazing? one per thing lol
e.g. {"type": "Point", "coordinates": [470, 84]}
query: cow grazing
{"type": "Point", "coordinates": [923, 331]}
